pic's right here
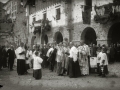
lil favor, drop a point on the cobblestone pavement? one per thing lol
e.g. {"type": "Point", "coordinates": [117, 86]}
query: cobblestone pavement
{"type": "Point", "coordinates": [50, 81]}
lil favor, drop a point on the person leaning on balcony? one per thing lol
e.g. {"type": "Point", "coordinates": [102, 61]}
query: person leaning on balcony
{"type": "Point", "coordinates": [20, 53]}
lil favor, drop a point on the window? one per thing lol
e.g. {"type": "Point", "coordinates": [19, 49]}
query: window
{"type": "Point", "coordinates": [88, 2]}
{"type": "Point", "coordinates": [33, 2]}
{"type": "Point", "coordinates": [58, 14]}
{"type": "Point", "coordinates": [44, 16]}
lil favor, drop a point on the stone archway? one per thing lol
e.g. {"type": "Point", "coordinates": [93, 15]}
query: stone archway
{"type": "Point", "coordinates": [44, 39]}
{"type": "Point", "coordinates": [58, 37]}
{"type": "Point", "coordinates": [114, 34]}
{"type": "Point", "coordinates": [89, 36]}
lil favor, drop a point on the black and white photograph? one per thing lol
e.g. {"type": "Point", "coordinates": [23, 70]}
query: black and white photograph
{"type": "Point", "coordinates": [59, 44]}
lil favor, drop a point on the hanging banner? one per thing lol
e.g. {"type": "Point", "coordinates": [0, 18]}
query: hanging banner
{"type": "Point", "coordinates": [86, 14]}
{"type": "Point", "coordinates": [107, 12]}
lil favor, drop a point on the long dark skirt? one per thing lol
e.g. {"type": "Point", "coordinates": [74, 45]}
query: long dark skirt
{"type": "Point", "coordinates": [105, 70]}
{"type": "Point", "coordinates": [73, 68]}
{"type": "Point", "coordinates": [21, 67]}
{"type": "Point", "coordinates": [59, 68]}
{"type": "Point", "coordinates": [37, 74]}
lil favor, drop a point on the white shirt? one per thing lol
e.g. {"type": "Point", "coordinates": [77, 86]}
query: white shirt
{"type": "Point", "coordinates": [99, 57]}
{"type": "Point", "coordinates": [103, 56]}
{"type": "Point", "coordinates": [48, 53]}
{"type": "Point", "coordinates": [73, 53]}
{"type": "Point", "coordinates": [59, 51]}
{"type": "Point", "coordinates": [37, 62]}
{"type": "Point", "coordinates": [18, 51]}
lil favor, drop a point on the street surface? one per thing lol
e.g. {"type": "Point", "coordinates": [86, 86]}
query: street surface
{"type": "Point", "coordinates": [50, 81]}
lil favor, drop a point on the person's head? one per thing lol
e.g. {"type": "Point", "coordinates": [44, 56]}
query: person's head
{"type": "Point", "coordinates": [71, 44]}
{"type": "Point", "coordinates": [33, 47]}
{"type": "Point", "coordinates": [99, 45]}
{"type": "Point", "coordinates": [22, 44]}
{"type": "Point", "coordinates": [36, 53]}
{"type": "Point", "coordinates": [44, 45]}
{"type": "Point", "coordinates": [12, 47]}
{"type": "Point", "coordinates": [93, 45]}
{"type": "Point", "coordinates": [103, 49]}
{"type": "Point", "coordinates": [82, 42]}
{"type": "Point", "coordinates": [117, 44]}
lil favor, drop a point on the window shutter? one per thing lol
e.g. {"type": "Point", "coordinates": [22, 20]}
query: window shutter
{"type": "Point", "coordinates": [58, 14]}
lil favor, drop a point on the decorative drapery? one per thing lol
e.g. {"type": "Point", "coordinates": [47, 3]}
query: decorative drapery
{"type": "Point", "coordinates": [108, 12]}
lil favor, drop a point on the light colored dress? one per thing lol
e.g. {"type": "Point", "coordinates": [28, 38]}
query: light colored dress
{"type": "Point", "coordinates": [83, 60]}
{"type": "Point", "coordinates": [66, 50]}
{"type": "Point", "coordinates": [60, 60]}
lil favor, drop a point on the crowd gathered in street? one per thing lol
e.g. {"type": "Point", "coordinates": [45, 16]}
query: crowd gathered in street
{"type": "Point", "coordinates": [63, 58]}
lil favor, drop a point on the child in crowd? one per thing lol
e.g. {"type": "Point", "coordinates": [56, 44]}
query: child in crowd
{"type": "Point", "coordinates": [103, 63]}
{"type": "Point", "coordinates": [37, 73]}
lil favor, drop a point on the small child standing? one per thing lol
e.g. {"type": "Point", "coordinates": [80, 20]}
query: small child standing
{"type": "Point", "coordinates": [37, 73]}
{"type": "Point", "coordinates": [103, 63]}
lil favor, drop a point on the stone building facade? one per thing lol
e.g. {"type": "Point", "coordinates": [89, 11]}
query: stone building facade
{"type": "Point", "coordinates": [70, 24]}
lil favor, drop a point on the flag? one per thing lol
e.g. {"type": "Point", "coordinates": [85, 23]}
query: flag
{"type": "Point", "coordinates": [86, 15]}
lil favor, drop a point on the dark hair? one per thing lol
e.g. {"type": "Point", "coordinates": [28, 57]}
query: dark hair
{"type": "Point", "coordinates": [36, 53]}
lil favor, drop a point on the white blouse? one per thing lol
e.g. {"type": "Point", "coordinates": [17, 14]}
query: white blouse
{"type": "Point", "coordinates": [73, 53]}
{"type": "Point", "coordinates": [18, 51]}
{"type": "Point", "coordinates": [37, 62]}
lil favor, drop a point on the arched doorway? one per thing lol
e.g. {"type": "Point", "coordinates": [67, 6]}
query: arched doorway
{"type": "Point", "coordinates": [58, 37]}
{"type": "Point", "coordinates": [89, 36]}
{"type": "Point", "coordinates": [44, 39]}
{"type": "Point", "coordinates": [114, 34]}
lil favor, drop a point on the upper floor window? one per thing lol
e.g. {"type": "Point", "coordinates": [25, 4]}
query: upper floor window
{"type": "Point", "coordinates": [58, 14]}
{"type": "Point", "coordinates": [33, 2]}
{"type": "Point", "coordinates": [88, 2]}
{"type": "Point", "coordinates": [44, 16]}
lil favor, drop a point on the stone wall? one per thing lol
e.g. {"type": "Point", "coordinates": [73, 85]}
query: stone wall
{"type": "Point", "coordinates": [71, 23]}
{"type": "Point", "coordinates": [20, 28]}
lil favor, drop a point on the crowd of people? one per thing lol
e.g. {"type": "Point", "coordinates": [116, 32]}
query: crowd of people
{"type": "Point", "coordinates": [64, 59]}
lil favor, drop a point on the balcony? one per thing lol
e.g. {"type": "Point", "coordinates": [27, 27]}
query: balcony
{"type": "Point", "coordinates": [41, 26]}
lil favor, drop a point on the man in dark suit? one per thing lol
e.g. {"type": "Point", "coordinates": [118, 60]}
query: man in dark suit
{"type": "Point", "coordinates": [11, 57]}
{"type": "Point", "coordinates": [44, 52]}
